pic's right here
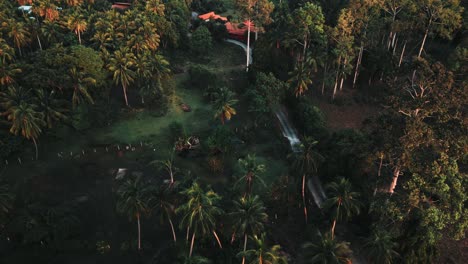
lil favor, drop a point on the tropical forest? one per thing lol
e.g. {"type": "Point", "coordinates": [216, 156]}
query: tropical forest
{"type": "Point", "coordinates": [233, 131]}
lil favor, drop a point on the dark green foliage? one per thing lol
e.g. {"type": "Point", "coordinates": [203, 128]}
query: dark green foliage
{"type": "Point", "coordinates": [264, 95]}
{"type": "Point", "coordinates": [309, 119]}
{"type": "Point", "coordinates": [204, 6]}
{"type": "Point", "coordinates": [201, 42]}
{"type": "Point", "coordinates": [9, 144]}
{"type": "Point", "coordinates": [203, 78]}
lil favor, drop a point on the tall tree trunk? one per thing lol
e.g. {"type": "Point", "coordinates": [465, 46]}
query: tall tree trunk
{"type": "Point", "coordinates": [191, 244]}
{"type": "Point", "coordinates": [336, 78]}
{"type": "Point", "coordinates": [303, 197]}
{"type": "Point", "coordinates": [379, 171]}
{"type": "Point", "coordinates": [139, 231]}
{"type": "Point", "coordinates": [171, 173]}
{"type": "Point", "coordinates": [35, 145]}
{"type": "Point", "coordinates": [358, 62]}
{"type": "Point", "coordinates": [79, 37]}
{"type": "Point", "coordinates": [124, 87]}
{"type": "Point", "coordinates": [173, 231]}
{"type": "Point", "coordinates": [423, 42]}
{"type": "Point", "coordinates": [217, 239]}
{"type": "Point", "coordinates": [248, 45]}
{"type": "Point", "coordinates": [188, 232]}
{"type": "Point", "coordinates": [304, 50]}
{"type": "Point", "coordinates": [333, 229]}
{"type": "Point", "coordinates": [245, 248]}
{"type": "Point", "coordinates": [396, 174]}
{"type": "Point", "coordinates": [39, 41]}
{"type": "Point", "coordinates": [402, 53]}
{"type": "Point", "coordinates": [342, 78]}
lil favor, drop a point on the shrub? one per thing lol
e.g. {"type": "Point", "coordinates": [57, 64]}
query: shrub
{"type": "Point", "coordinates": [309, 118]}
{"type": "Point", "coordinates": [203, 78]}
{"type": "Point", "coordinates": [201, 41]}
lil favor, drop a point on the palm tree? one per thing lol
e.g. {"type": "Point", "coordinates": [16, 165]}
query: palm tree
{"type": "Point", "coordinates": [326, 250]}
{"type": "Point", "coordinates": [51, 31]}
{"type": "Point", "coordinates": [342, 200]}
{"type": "Point", "coordinates": [155, 6]}
{"type": "Point", "coordinates": [300, 79]}
{"type": "Point", "coordinates": [249, 216]}
{"type": "Point", "coordinates": [6, 52]}
{"type": "Point", "coordinates": [53, 109]}
{"type": "Point", "coordinates": [77, 24]}
{"type": "Point", "coordinates": [261, 254]}
{"type": "Point", "coordinates": [121, 66]}
{"type": "Point", "coordinates": [251, 172]}
{"type": "Point", "coordinates": [199, 212]}
{"type": "Point", "coordinates": [8, 72]}
{"type": "Point", "coordinates": [306, 160]}
{"type": "Point", "coordinates": [25, 120]}
{"type": "Point", "coordinates": [380, 247]}
{"type": "Point", "coordinates": [47, 9]}
{"type": "Point", "coordinates": [161, 204]}
{"type": "Point", "coordinates": [223, 104]}
{"type": "Point", "coordinates": [80, 82]}
{"type": "Point", "coordinates": [168, 166]}
{"type": "Point", "coordinates": [133, 201]}
{"type": "Point", "coordinates": [17, 32]}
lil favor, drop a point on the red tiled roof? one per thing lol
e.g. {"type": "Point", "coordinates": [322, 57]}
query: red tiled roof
{"type": "Point", "coordinates": [211, 15]}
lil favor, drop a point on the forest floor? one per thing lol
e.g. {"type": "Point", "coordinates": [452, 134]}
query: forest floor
{"type": "Point", "coordinates": [345, 113]}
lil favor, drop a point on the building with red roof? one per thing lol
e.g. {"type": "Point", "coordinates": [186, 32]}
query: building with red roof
{"type": "Point", "coordinates": [212, 16]}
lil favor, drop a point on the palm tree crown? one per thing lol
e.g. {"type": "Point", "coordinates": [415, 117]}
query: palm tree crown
{"type": "Point", "coordinates": [326, 250]}
{"type": "Point", "coordinates": [223, 104]}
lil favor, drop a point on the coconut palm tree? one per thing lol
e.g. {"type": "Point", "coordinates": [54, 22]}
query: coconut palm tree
{"type": "Point", "coordinates": [380, 247]}
{"type": "Point", "coordinates": [155, 6]}
{"type": "Point", "coordinates": [6, 52]}
{"type": "Point", "coordinates": [25, 120]}
{"type": "Point", "coordinates": [306, 160]}
{"type": "Point", "coordinates": [326, 250]}
{"type": "Point", "coordinates": [80, 83]}
{"type": "Point", "coordinates": [52, 31]}
{"type": "Point", "coordinates": [342, 201]}
{"type": "Point", "coordinates": [199, 212]}
{"type": "Point", "coordinates": [8, 72]}
{"type": "Point", "coordinates": [52, 108]}
{"type": "Point", "coordinates": [251, 172]}
{"type": "Point", "coordinates": [167, 165]}
{"type": "Point", "coordinates": [223, 104]}
{"type": "Point", "coordinates": [300, 79]}
{"type": "Point", "coordinates": [161, 204]}
{"type": "Point", "coordinates": [261, 254]}
{"type": "Point", "coordinates": [249, 215]}
{"type": "Point", "coordinates": [46, 9]}
{"type": "Point", "coordinates": [17, 32]}
{"type": "Point", "coordinates": [77, 23]}
{"type": "Point", "coordinates": [121, 66]}
{"type": "Point", "coordinates": [133, 201]}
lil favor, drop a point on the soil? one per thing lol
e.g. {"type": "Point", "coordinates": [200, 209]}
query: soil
{"type": "Point", "coordinates": [344, 112]}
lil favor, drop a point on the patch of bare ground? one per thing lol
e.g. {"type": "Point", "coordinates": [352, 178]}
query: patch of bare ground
{"type": "Point", "coordinates": [452, 251]}
{"type": "Point", "coordinates": [344, 112]}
